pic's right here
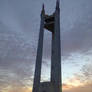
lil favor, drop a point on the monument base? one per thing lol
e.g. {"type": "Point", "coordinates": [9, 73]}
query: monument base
{"type": "Point", "coordinates": [46, 87]}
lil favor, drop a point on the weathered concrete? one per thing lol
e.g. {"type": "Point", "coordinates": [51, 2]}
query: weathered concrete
{"type": "Point", "coordinates": [37, 74]}
{"type": "Point", "coordinates": [46, 87]}
{"type": "Point", "coordinates": [56, 53]}
{"type": "Point", "coordinates": [52, 24]}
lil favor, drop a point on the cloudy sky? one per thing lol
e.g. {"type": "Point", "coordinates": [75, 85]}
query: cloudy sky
{"type": "Point", "coordinates": [19, 30]}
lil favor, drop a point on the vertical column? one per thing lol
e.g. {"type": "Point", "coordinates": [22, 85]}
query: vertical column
{"type": "Point", "coordinates": [37, 74]}
{"type": "Point", "coordinates": [56, 53]}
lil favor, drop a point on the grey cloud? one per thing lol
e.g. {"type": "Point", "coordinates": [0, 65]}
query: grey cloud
{"type": "Point", "coordinates": [86, 72]}
{"type": "Point", "coordinates": [19, 29]}
{"type": "Point", "coordinates": [78, 38]}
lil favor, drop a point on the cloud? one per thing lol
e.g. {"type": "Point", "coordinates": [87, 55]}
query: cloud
{"type": "Point", "coordinates": [75, 84]}
{"type": "Point", "coordinates": [19, 30]}
{"type": "Point", "coordinates": [84, 88]}
{"type": "Point", "coordinates": [78, 39]}
{"type": "Point", "coordinates": [86, 73]}
{"type": "Point", "coordinates": [81, 81]}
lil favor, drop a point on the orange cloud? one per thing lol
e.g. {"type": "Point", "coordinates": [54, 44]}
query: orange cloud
{"type": "Point", "coordinates": [66, 86]}
{"type": "Point", "coordinates": [17, 89]}
{"type": "Point", "coordinates": [73, 82]}
{"type": "Point", "coordinates": [75, 85]}
{"type": "Point", "coordinates": [83, 88]}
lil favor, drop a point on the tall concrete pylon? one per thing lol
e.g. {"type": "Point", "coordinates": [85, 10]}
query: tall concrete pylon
{"type": "Point", "coordinates": [52, 24]}
{"type": "Point", "coordinates": [56, 52]}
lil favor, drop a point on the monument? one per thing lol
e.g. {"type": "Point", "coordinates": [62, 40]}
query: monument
{"type": "Point", "coordinates": [52, 24]}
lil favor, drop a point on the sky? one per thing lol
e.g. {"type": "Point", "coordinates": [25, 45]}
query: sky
{"type": "Point", "coordinates": [19, 31]}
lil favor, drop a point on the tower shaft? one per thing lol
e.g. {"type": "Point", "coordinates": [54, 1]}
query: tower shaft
{"type": "Point", "coordinates": [38, 65]}
{"type": "Point", "coordinates": [56, 54]}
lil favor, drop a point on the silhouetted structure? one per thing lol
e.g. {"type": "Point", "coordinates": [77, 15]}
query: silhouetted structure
{"type": "Point", "coordinates": [52, 24]}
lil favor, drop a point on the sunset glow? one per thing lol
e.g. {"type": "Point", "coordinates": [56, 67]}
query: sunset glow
{"type": "Point", "coordinates": [71, 83]}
